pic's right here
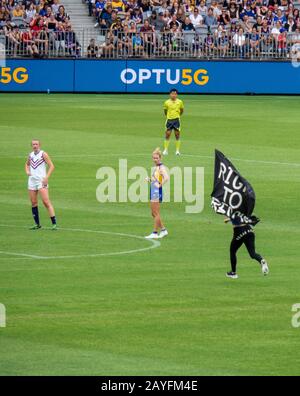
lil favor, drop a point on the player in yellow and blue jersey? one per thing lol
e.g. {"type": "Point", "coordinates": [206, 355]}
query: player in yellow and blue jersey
{"type": "Point", "coordinates": [173, 109]}
{"type": "Point", "coordinates": [157, 180]}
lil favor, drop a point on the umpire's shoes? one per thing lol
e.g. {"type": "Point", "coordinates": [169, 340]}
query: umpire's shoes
{"type": "Point", "coordinates": [264, 267]}
{"type": "Point", "coordinates": [232, 275]}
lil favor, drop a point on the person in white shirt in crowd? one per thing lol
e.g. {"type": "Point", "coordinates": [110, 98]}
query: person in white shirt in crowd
{"type": "Point", "coordinates": [239, 42]}
{"type": "Point", "coordinates": [276, 30]}
{"type": "Point", "coordinates": [30, 13]}
{"type": "Point", "coordinates": [196, 19]}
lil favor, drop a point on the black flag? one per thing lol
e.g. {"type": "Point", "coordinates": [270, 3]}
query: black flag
{"type": "Point", "coordinates": [232, 194]}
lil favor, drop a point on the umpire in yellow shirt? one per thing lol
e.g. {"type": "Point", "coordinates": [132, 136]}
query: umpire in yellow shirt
{"type": "Point", "coordinates": [173, 109]}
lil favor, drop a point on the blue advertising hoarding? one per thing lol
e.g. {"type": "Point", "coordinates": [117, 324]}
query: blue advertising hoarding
{"type": "Point", "coordinates": [126, 76]}
{"type": "Point", "coordinates": [38, 75]}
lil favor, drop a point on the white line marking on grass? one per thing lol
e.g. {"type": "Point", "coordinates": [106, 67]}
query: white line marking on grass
{"type": "Point", "coordinates": [247, 160]}
{"type": "Point", "coordinates": [183, 155]}
{"type": "Point", "coordinates": [296, 164]}
{"type": "Point", "coordinates": [154, 244]}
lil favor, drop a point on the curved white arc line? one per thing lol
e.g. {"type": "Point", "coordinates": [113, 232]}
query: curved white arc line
{"type": "Point", "coordinates": [155, 244]}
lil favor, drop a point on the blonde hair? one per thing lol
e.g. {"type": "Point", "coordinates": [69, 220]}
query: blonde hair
{"type": "Point", "coordinates": [158, 152]}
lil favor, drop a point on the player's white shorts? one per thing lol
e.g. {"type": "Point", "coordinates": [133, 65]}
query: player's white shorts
{"type": "Point", "coordinates": [35, 183]}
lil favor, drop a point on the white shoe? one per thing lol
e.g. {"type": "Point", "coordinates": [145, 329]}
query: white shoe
{"type": "Point", "coordinates": [232, 275]}
{"type": "Point", "coordinates": [165, 152]}
{"type": "Point", "coordinates": [177, 152]}
{"type": "Point", "coordinates": [264, 267]}
{"type": "Point", "coordinates": [96, 24]}
{"type": "Point", "coordinates": [163, 234]}
{"type": "Point", "coordinates": [153, 235]}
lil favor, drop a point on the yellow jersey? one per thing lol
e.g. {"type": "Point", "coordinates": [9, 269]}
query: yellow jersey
{"type": "Point", "coordinates": [173, 108]}
{"type": "Point", "coordinates": [157, 176]}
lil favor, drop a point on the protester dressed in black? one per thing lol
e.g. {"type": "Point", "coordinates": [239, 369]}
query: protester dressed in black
{"type": "Point", "coordinates": [243, 233]}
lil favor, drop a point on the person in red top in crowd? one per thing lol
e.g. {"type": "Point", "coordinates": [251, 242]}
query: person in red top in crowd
{"type": "Point", "coordinates": [29, 44]}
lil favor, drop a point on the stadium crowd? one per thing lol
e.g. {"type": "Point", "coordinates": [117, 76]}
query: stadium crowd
{"type": "Point", "coordinates": [235, 28]}
{"type": "Point", "coordinates": [37, 28]}
{"type": "Point", "coordinates": [239, 28]}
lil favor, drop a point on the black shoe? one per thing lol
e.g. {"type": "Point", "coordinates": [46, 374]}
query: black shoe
{"type": "Point", "coordinates": [35, 227]}
{"type": "Point", "coordinates": [232, 275]}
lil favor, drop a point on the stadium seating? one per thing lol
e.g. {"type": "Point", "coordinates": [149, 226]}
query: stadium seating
{"type": "Point", "coordinates": [136, 28]}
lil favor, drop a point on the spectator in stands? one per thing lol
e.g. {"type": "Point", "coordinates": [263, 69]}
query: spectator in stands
{"type": "Point", "coordinates": [125, 47]}
{"type": "Point", "coordinates": [158, 23]}
{"type": "Point", "coordinates": [52, 23]}
{"type": "Point", "coordinates": [233, 11]}
{"type": "Point", "coordinates": [202, 9]}
{"type": "Point", "coordinates": [118, 5]}
{"type": "Point", "coordinates": [280, 17]}
{"type": "Point", "coordinates": [246, 24]}
{"type": "Point", "coordinates": [187, 25]}
{"type": "Point", "coordinates": [180, 15]}
{"type": "Point", "coordinates": [173, 22]}
{"type": "Point", "coordinates": [30, 12]}
{"type": "Point", "coordinates": [55, 7]}
{"type": "Point", "coordinates": [295, 39]}
{"type": "Point", "coordinates": [109, 46]}
{"type": "Point", "coordinates": [289, 24]}
{"type": "Point", "coordinates": [18, 12]}
{"type": "Point", "coordinates": [164, 7]}
{"type": "Point", "coordinates": [254, 43]}
{"type": "Point", "coordinates": [265, 29]}
{"type": "Point", "coordinates": [4, 16]}
{"type": "Point", "coordinates": [216, 9]}
{"type": "Point", "coordinates": [99, 7]}
{"type": "Point", "coordinates": [72, 46]}
{"type": "Point", "coordinates": [137, 15]}
{"type": "Point", "coordinates": [42, 40]}
{"type": "Point", "coordinates": [197, 45]}
{"type": "Point", "coordinates": [248, 11]}
{"type": "Point", "coordinates": [116, 28]}
{"type": "Point", "coordinates": [145, 6]}
{"type": "Point", "coordinates": [282, 43]}
{"type": "Point", "coordinates": [137, 44]}
{"type": "Point", "coordinates": [267, 45]}
{"type": "Point", "coordinates": [105, 18]}
{"type": "Point", "coordinates": [223, 43]}
{"type": "Point", "coordinates": [60, 40]}
{"type": "Point", "coordinates": [62, 16]}
{"type": "Point", "coordinates": [276, 30]}
{"type": "Point", "coordinates": [153, 19]}
{"type": "Point", "coordinates": [296, 15]}
{"type": "Point", "coordinates": [129, 6]}
{"type": "Point", "coordinates": [224, 18]}
{"type": "Point", "coordinates": [28, 44]}
{"type": "Point", "coordinates": [210, 20]}
{"type": "Point", "coordinates": [92, 49]}
{"type": "Point", "coordinates": [147, 33]}
{"type": "Point", "coordinates": [166, 41]}
{"type": "Point", "coordinates": [269, 17]}
{"type": "Point", "coordinates": [258, 24]}
{"type": "Point", "coordinates": [177, 39]}
{"type": "Point", "coordinates": [209, 45]}
{"type": "Point", "coordinates": [132, 28]}
{"type": "Point", "coordinates": [196, 19]}
{"type": "Point", "coordinates": [13, 40]}
{"type": "Point", "coordinates": [239, 43]}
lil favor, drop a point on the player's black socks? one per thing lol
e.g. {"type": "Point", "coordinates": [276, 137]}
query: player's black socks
{"type": "Point", "coordinates": [53, 219]}
{"type": "Point", "coordinates": [35, 214]}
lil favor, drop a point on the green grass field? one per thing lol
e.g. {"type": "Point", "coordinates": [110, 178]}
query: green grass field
{"type": "Point", "coordinates": [163, 311]}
